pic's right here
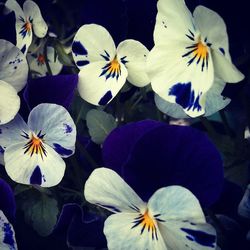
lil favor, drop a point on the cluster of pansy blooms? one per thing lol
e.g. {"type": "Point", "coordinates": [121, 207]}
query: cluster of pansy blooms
{"type": "Point", "coordinates": [187, 69]}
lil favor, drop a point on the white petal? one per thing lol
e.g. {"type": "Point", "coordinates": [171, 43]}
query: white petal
{"type": "Point", "coordinates": [134, 55]}
{"type": "Point", "coordinates": [215, 101]}
{"type": "Point", "coordinates": [168, 108]}
{"type": "Point", "coordinates": [32, 10]}
{"type": "Point", "coordinates": [12, 132]}
{"type": "Point", "coordinates": [178, 78]}
{"type": "Point", "coordinates": [37, 68]}
{"type": "Point", "coordinates": [213, 27]}
{"type": "Point", "coordinates": [173, 21]}
{"type": "Point", "coordinates": [175, 203]}
{"type": "Point", "coordinates": [56, 123]}
{"type": "Point", "coordinates": [12, 5]}
{"type": "Point", "coordinates": [7, 234]}
{"type": "Point", "coordinates": [179, 235]}
{"type": "Point", "coordinates": [224, 69]}
{"type": "Point", "coordinates": [121, 235]}
{"type": "Point", "coordinates": [9, 102]}
{"type": "Point", "coordinates": [54, 63]}
{"type": "Point", "coordinates": [92, 43]}
{"type": "Point", "coordinates": [99, 82]}
{"type": "Point", "coordinates": [46, 170]}
{"type": "Point", "coordinates": [107, 189]}
{"type": "Point", "coordinates": [13, 65]}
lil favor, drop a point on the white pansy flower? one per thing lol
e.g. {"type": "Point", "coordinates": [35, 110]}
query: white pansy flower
{"type": "Point", "coordinates": [172, 219]}
{"type": "Point", "coordinates": [190, 50]}
{"type": "Point", "coordinates": [105, 68]}
{"type": "Point", "coordinates": [33, 152]}
{"type": "Point", "coordinates": [28, 20]}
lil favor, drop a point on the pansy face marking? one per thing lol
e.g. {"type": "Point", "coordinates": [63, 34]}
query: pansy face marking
{"type": "Point", "coordinates": [35, 145]}
{"type": "Point", "coordinates": [198, 51]}
{"type": "Point", "coordinates": [26, 28]}
{"type": "Point", "coordinates": [145, 221]}
{"type": "Point", "coordinates": [112, 69]}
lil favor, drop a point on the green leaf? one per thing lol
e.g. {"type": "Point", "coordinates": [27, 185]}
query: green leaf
{"type": "Point", "coordinates": [63, 57]}
{"type": "Point", "coordinates": [100, 124]}
{"type": "Point", "coordinates": [40, 211]}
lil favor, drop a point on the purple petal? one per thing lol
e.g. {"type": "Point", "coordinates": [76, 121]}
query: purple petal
{"type": "Point", "coordinates": [165, 155]}
{"type": "Point", "coordinates": [68, 212]}
{"type": "Point", "coordinates": [83, 229]}
{"type": "Point", "coordinates": [120, 142]}
{"type": "Point", "coordinates": [7, 201]}
{"type": "Point", "coordinates": [51, 89]}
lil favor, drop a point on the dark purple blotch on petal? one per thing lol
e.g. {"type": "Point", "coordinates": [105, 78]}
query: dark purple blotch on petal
{"type": "Point", "coordinates": [200, 237]}
{"type": "Point", "coordinates": [106, 98]}
{"type": "Point", "coordinates": [51, 89]}
{"type": "Point", "coordinates": [185, 96]}
{"type": "Point", "coordinates": [79, 49]}
{"type": "Point", "coordinates": [82, 63]}
{"type": "Point", "coordinates": [8, 235]}
{"type": "Point", "coordinates": [7, 201]}
{"type": "Point", "coordinates": [36, 177]}
{"type": "Point", "coordinates": [163, 156]}
{"type": "Point", "coordinates": [68, 128]}
{"type": "Point", "coordinates": [61, 150]}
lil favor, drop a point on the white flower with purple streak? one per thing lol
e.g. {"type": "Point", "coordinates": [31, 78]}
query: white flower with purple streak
{"type": "Point", "coordinates": [33, 152]}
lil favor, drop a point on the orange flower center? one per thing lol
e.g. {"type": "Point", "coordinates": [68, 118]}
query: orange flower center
{"type": "Point", "coordinates": [35, 146]}
{"type": "Point", "coordinates": [28, 26]}
{"type": "Point", "coordinates": [41, 59]}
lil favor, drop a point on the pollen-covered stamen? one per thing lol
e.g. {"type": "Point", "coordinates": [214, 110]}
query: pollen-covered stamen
{"type": "Point", "coordinates": [40, 59]}
{"type": "Point", "coordinates": [199, 53]}
{"type": "Point", "coordinates": [147, 224]}
{"type": "Point", "coordinates": [112, 69]}
{"type": "Point", "coordinates": [35, 145]}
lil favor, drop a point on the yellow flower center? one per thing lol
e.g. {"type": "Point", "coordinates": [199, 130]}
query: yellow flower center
{"type": "Point", "coordinates": [114, 66]}
{"type": "Point", "coordinates": [201, 50]}
{"type": "Point", "coordinates": [148, 222]}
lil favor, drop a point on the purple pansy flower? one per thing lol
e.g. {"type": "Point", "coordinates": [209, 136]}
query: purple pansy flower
{"type": "Point", "coordinates": [150, 154]}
